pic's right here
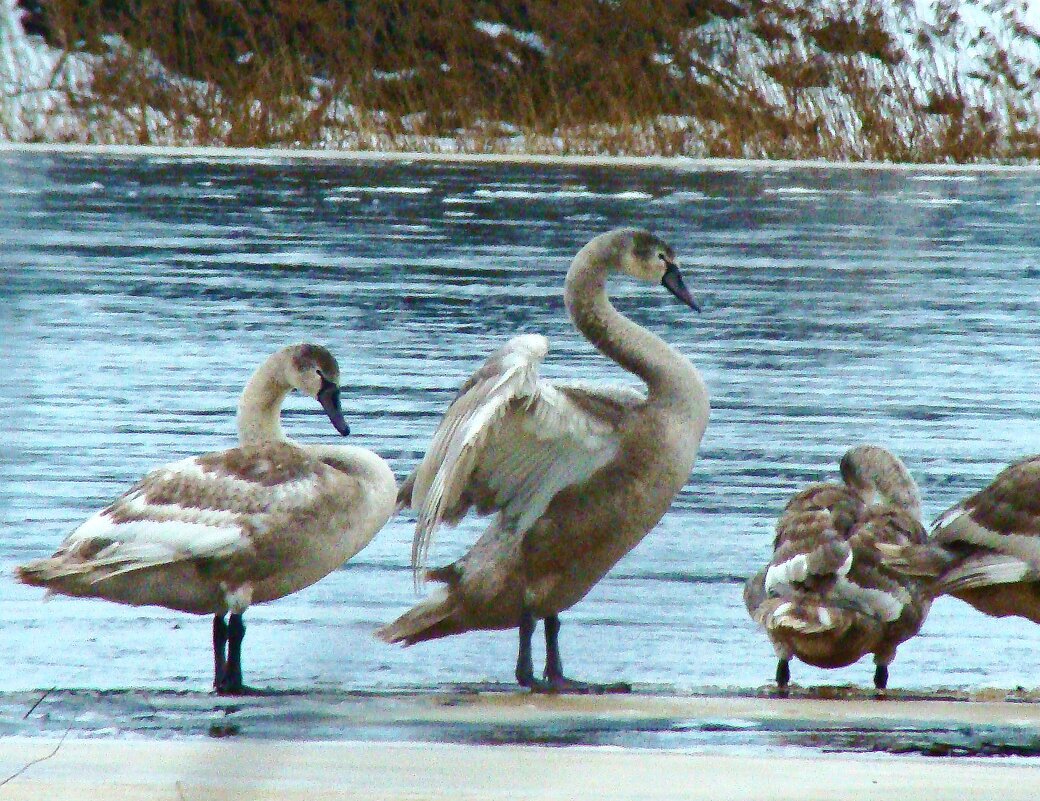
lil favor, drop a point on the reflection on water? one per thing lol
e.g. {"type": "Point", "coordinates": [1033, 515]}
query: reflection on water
{"type": "Point", "coordinates": [840, 307]}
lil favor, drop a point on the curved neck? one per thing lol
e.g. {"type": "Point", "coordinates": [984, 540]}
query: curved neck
{"type": "Point", "coordinates": [260, 406]}
{"type": "Point", "coordinates": [664, 370]}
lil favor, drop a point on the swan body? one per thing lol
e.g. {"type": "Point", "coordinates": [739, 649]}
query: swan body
{"type": "Point", "coordinates": [215, 533]}
{"type": "Point", "coordinates": [826, 596]}
{"type": "Point", "coordinates": [575, 475]}
{"type": "Point", "coordinates": [985, 550]}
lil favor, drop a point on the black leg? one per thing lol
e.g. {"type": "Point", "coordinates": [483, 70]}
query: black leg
{"type": "Point", "coordinates": [881, 677]}
{"type": "Point", "coordinates": [783, 675]}
{"type": "Point", "coordinates": [220, 638]}
{"type": "Point", "coordinates": [232, 682]}
{"type": "Point", "coordinates": [553, 661]}
{"type": "Point", "coordinates": [554, 677]}
{"type": "Point", "coordinates": [524, 662]}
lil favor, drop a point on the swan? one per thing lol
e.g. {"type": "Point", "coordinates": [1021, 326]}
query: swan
{"type": "Point", "coordinates": [985, 550]}
{"type": "Point", "coordinates": [825, 595]}
{"type": "Point", "coordinates": [215, 533]}
{"type": "Point", "coordinates": [574, 474]}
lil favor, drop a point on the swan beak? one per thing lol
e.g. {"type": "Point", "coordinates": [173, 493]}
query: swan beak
{"type": "Point", "coordinates": [328, 397]}
{"type": "Point", "coordinates": [672, 281]}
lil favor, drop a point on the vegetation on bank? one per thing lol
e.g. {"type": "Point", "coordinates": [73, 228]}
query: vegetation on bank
{"type": "Point", "coordinates": [843, 80]}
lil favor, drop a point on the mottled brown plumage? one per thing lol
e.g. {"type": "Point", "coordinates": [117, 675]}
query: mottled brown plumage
{"type": "Point", "coordinates": [216, 533]}
{"type": "Point", "coordinates": [986, 549]}
{"type": "Point", "coordinates": [826, 595]}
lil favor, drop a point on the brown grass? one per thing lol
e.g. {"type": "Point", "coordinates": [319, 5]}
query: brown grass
{"type": "Point", "coordinates": [761, 78]}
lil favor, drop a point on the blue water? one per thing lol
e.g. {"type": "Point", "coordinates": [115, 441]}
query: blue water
{"type": "Point", "coordinates": [137, 294]}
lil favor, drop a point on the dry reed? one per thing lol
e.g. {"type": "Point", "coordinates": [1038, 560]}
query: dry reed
{"type": "Point", "coordinates": [855, 80]}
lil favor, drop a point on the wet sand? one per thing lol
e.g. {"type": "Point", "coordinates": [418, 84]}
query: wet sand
{"type": "Point", "coordinates": [817, 719]}
{"type": "Point", "coordinates": [484, 744]}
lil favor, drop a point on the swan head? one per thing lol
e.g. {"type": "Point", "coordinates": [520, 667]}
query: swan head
{"type": "Point", "coordinates": [313, 371]}
{"type": "Point", "coordinates": [647, 257]}
{"type": "Point", "coordinates": [877, 475]}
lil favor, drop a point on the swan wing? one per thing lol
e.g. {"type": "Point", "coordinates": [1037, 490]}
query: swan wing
{"type": "Point", "coordinates": [212, 507]}
{"type": "Point", "coordinates": [885, 593]}
{"type": "Point", "coordinates": [1003, 517]}
{"type": "Point", "coordinates": [810, 545]}
{"type": "Point", "coordinates": [510, 442]}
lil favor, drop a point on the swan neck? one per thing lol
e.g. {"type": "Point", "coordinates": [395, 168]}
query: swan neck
{"type": "Point", "coordinates": [260, 406]}
{"type": "Point", "coordinates": [631, 346]}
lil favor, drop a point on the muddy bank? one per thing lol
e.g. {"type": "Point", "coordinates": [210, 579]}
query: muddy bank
{"type": "Point", "coordinates": [833, 720]}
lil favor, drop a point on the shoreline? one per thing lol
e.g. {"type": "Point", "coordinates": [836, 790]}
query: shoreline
{"type": "Point", "coordinates": [852, 724]}
{"type": "Point", "coordinates": [677, 163]}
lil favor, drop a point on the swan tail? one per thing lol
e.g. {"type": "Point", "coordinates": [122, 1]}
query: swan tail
{"type": "Point", "coordinates": [437, 616]}
{"type": "Point", "coordinates": [53, 574]}
{"type": "Point", "coordinates": [404, 494]}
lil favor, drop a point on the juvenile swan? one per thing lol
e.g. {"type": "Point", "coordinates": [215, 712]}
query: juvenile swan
{"type": "Point", "coordinates": [215, 533]}
{"type": "Point", "coordinates": [825, 597]}
{"type": "Point", "coordinates": [576, 475]}
{"type": "Point", "coordinates": [986, 549]}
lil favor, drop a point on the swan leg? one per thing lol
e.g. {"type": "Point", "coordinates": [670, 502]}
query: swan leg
{"type": "Point", "coordinates": [231, 681]}
{"type": "Point", "coordinates": [783, 675]}
{"type": "Point", "coordinates": [220, 638]}
{"type": "Point", "coordinates": [881, 677]}
{"type": "Point", "coordinates": [524, 661]}
{"type": "Point", "coordinates": [555, 680]}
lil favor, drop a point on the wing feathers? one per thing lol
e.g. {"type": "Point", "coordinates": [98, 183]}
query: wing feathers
{"type": "Point", "coordinates": [509, 443]}
{"type": "Point", "coordinates": [207, 507]}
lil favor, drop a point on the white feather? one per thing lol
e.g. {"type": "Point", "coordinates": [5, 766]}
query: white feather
{"type": "Point", "coordinates": [524, 453]}
{"type": "Point", "coordinates": [947, 517]}
{"type": "Point", "coordinates": [873, 602]}
{"type": "Point", "coordinates": [984, 570]}
{"type": "Point", "coordinates": [785, 573]}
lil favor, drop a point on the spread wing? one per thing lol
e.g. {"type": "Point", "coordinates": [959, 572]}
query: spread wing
{"type": "Point", "coordinates": [510, 442]}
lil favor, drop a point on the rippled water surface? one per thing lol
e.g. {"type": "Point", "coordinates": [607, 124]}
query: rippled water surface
{"type": "Point", "coordinates": [839, 307]}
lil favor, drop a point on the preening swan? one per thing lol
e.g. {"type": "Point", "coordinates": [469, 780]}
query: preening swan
{"type": "Point", "coordinates": [825, 596]}
{"type": "Point", "coordinates": [575, 474]}
{"type": "Point", "coordinates": [986, 549]}
{"type": "Point", "coordinates": [215, 533]}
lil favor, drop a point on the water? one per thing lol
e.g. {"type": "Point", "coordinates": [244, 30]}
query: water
{"type": "Point", "coordinates": [839, 307]}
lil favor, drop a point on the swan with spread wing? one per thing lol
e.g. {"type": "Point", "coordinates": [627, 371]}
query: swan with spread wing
{"type": "Point", "coordinates": [574, 475]}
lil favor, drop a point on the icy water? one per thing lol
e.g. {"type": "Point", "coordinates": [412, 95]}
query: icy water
{"type": "Point", "coordinates": [839, 307]}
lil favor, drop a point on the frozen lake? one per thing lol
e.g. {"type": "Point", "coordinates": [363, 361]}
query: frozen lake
{"type": "Point", "coordinates": [137, 294]}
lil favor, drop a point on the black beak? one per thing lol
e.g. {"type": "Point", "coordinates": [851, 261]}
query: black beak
{"type": "Point", "coordinates": [672, 281]}
{"type": "Point", "coordinates": [328, 397]}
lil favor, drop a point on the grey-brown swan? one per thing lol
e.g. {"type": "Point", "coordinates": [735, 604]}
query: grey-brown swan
{"type": "Point", "coordinates": [574, 474]}
{"type": "Point", "coordinates": [985, 550]}
{"type": "Point", "coordinates": [825, 595]}
{"type": "Point", "coordinates": [215, 533]}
